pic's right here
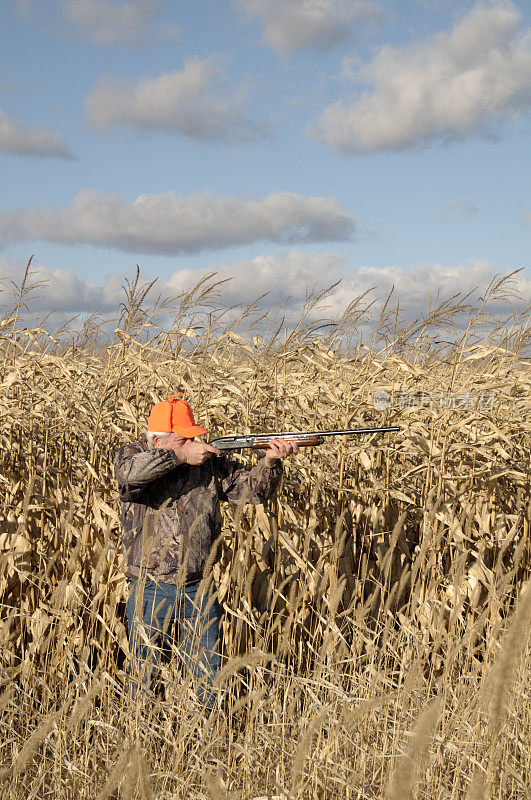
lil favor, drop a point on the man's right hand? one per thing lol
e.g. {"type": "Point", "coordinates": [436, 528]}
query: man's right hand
{"type": "Point", "coordinates": [195, 453]}
{"type": "Point", "coordinates": [188, 451]}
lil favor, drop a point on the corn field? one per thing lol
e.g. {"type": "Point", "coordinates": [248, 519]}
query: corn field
{"type": "Point", "coordinates": [376, 612]}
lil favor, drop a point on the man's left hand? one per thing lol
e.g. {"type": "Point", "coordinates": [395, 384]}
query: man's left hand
{"type": "Point", "coordinates": [278, 449]}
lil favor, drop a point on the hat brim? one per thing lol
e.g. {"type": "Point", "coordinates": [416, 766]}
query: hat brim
{"type": "Point", "coordinates": [193, 430]}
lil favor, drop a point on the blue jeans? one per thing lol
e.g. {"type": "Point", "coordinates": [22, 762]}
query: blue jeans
{"type": "Point", "coordinates": [174, 618]}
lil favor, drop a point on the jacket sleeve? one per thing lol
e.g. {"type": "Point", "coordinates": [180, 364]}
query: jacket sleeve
{"type": "Point", "coordinates": [136, 468]}
{"type": "Point", "coordinates": [240, 485]}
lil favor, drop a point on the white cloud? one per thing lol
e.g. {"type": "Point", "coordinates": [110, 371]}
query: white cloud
{"type": "Point", "coordinates": [118, 23]}
{"type": "Point", "coordinates": [104, 22]}
{"type": "Point", "coordinates": [291, 274]}
{"type": "Point", "coordinates": [454, 85]}
{"type": "Point", "coordinates": [294, 25]}
{"type": "Point", "coordinates": [195, 102]}
{"type": "Point", "coordinates": [20, 140]}
{"type": "Point", "coordinates": [60, 296]}
{"type": "Point", "coordinates": [459, 205]}
{"type": "Point", "coordinates": [169, 224]}
{"type": "Point", "coordinates": [282, 276]}
{"type": "Point", "coordinates": [423, 283]}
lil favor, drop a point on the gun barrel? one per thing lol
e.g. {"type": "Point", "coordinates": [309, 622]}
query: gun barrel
{"type": "Point", "coordinates": [387, 429]}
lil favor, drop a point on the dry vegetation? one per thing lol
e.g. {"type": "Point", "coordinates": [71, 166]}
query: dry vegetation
{"type": "Point", "coordinates": [377, 613]}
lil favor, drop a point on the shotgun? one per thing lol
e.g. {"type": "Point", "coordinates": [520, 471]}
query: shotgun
{"type": "Point", "coordinates": [260, 441]}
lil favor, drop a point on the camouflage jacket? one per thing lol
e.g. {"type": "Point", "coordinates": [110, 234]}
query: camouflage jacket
{"type": "Point", "coordinates": [170, 512]}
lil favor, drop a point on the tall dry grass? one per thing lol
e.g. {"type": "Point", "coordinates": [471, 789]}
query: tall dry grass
{"type": "Point", "coordinates": [377, 612]}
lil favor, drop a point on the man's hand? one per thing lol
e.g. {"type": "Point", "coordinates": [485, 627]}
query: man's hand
{"type": "Point", "coordinates": [196, 453]}
{"type": "Point", "coordinates": [187, 451]}
{"type": "Point", "coordinates": [280, 448]}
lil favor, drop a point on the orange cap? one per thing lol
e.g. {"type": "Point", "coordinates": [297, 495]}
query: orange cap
{"type": "Point", "coordinates": [174, 415]}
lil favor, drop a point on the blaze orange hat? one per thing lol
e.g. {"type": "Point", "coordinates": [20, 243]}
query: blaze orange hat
{"type": "Point", "coordinates": [174, 415]}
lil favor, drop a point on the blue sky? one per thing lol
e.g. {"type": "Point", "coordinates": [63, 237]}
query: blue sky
{"type": "Point", "coordinates": [280, 142]}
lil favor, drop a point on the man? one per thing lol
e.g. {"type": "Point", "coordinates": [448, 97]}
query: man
{"type": "Point", "coordinates": [170, 489]}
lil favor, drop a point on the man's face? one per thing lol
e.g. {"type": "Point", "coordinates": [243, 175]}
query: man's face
{"type": "Point", "coordinates": [171, 441]}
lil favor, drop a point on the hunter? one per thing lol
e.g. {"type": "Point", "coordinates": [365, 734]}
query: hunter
{"type": "Point", "coordinates": [170, 489]}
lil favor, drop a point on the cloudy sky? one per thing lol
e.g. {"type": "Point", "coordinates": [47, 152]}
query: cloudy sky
{"type": "Point", "coordinates": [283, 143]}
